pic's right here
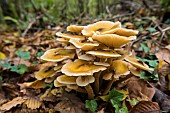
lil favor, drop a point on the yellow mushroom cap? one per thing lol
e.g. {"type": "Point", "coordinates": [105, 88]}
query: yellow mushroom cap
{"type": "Point", "coordinates": [122, 32]}
{"type": "Point", "coordinates": [84, 80]}
{"type": "Point", "coordinates": [44, 73]}
{"type": "Point", "coordinates": [100, 26]}
{"type": "Point", "coordinates": [58, 54]}
{"type": "Point", "coordinates": [64, 79]}
{"type": "Point", "coordinates": [134, 70]}
{"type": "Point", "coordinates": [112, 40]}
{"type": "Point", "coordinates": [102, 64]}
{"type": "Point", "coordinates": [70, 36]}
{"type": "Point", "coordinates": [63, 40]}
{"type": "Point", "coordinates": [108, 76]}
{"type": "Point", "coordinates": [74, 28]}
{"type": "Point", "coordinates": [80, 68]}
{"type": "Point", "coordinates": [86, 57]}
{"type": "Point", "coordinates": [58, 84]}
{"type": "Point", "coordinates": [104, 54]}
{"type": "Point", "coordinates": [137, 63]}
{"type": "Point", "coordinates": [120, 68]}
{"type": "Point", "coordinates": [83, 46]}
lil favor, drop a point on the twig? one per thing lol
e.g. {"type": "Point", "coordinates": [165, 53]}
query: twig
{"type": "Point", "coordinates": [30, 25]}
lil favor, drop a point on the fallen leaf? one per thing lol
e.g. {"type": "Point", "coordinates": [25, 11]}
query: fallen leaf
{"type": "Point", "coordinates": [2, 55]}
{"type": "Point", "coordinates": [140, 89]}
{"type": "Point", "coordinates": [163, 100]}
{"type": "Point", "coordinates": [16, 101]}
{"type": "Point", "coordinates": [70, 104]}
{"type": "Point", "coordinates": [32, 103]}
{"type": "Point", "coordinates": [163, 54]}
{"type": "Point", "coordinates": [146, 107]}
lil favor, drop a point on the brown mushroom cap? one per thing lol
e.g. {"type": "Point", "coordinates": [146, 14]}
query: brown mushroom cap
{"type": "Point", "coordinates": [58, 54]}
{"type": "Point", "coordinates": [83, 46]}
{"type": "Point", "coordinates": [44, 73]}
{"type": "Point", "coordinates": [70, 36]}
{"type": "Point", "coordinates": [100, 26]}
{"type": "Point", "coordinates": [120, 68]}
{"type": "Point", "coordinates": [63, 40]}
{"type": "Point", "coordinates": [58, 84]}
{"type": "Point", "coordinates": [64, 79]}
{"type": "Point", "coordinates": [104, 54]}
{"type": "Point", "coordinates": [134, 70]}
{"type": "Point", "coordinates": [74, 28]}
{"type": "Point", "coordinates": [86, 57]}
{"type": "Point", "coordinates": [137, 63]}
{"type": "Point", "coordinates": [84, 80]}
{"type": "Point", "coordinates": [108, 76]}
{"type": "Point", "coordinates": [122, 32]}
{"type": "Point", "coordinates": [80, 68]}
{"type": "Point", "coordinates": [112, 40]}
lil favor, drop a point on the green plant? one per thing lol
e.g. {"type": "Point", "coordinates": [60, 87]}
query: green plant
{"type": "Point", "coordinates": [91, 104]}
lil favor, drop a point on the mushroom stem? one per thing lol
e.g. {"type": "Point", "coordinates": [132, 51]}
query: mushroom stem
{"type": "Point", "coordinates": [89, 91]}
{"type": "Point", "coordinates": [80, 90]}
{"type": "Point", "coordinates": [109, 85]}
{"type": "Point", "coordinates": [96, 83]}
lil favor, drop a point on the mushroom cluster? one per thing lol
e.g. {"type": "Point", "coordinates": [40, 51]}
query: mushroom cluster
{"type": "Point", "coordinates": [91, 58]}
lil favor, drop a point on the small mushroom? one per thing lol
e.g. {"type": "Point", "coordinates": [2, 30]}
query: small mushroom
{"type": "Point", "coordinates": [100, 26]}
{"type": "Point", "coordinates": [45, 72]}
{"type": "Point", "coordinates": [86, 57]}
{"type": "Point", "coordinates": [122, 32]}
{"type": "Point", "coordinates": [84, 80]}
{"type": "Point", "coordinates": [104, 54]}
{"type": "Point", "coordinates": [70, 36]}
{"type": "Point", "coordinates": [112, 40]}
{"type": "Point", "coordinates": [137, 63]}
{"type": "Point", "coordinates": [83, 46]}
{"type": "Point", "coordinates": [108, 76]}
{"type": "Point", "coordinates": [58, 54]}
{"type": "Point", "coordinates": [135, 71]}
{"type": "Point", "coordinates": [80, 68]}
{"type": "Point", "coordinates": [74, 28]}
{"type": "Point", "coordinates": [64, 79]}
{"type": "Point", "coordinates": [120, 68]}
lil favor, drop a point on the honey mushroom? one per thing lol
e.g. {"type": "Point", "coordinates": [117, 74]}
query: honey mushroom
{"type": "Point", "coordinates": [95, 54]}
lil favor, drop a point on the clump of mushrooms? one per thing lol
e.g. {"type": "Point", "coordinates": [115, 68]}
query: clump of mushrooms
{"type": "Point", "coordinates": [90, 55]}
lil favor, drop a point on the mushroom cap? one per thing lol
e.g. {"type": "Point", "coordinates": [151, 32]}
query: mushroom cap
{"type": "Point", "coordinates": [104, 54]}
{"type": "Point", "coordinates": [120, 68]}
{"type": "Point", "coordinates": [74, 28]}
{"type": "Point", "coordinates": [137, 63]}
{"type": "Point", "coordinates": [70, 36]}
{"type": "Point", "coordinates": [72, 86]}
{"type": "Point", "coordinates": [122, 32]}
{"type": "Point", "coordinates": [58, 54]}
{"type": "Point", "coordinates": [86, 57]}
{"type": "Point", "coordinates": [101, 64]}
{"type": "Point", "coordinates": [80, 68]}
{"type": "Point", "coordinates": [134, 70]}
{"type": "Point", "coordinates": [44, 73]}
{"type": "Point", "coordinates": [64, 79]}
{"type": "Point", "coordinates": [63, 40]}
{"type": "Point", "coordinates": [83, 46]}
{"type": "Point", "coordinates": [58, 84]}
{"type": "Point", "coordinates": [112, 40]}
{"type": "Point", "coordinates": [84, 80]}
{"type": "Point", "coordinates": [108, 76]}
{"type": "Point", "coordinates": [100, 26]}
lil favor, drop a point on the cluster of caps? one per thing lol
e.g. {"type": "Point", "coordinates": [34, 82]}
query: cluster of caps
{"type": "Point", "coordinates": [88, 51]}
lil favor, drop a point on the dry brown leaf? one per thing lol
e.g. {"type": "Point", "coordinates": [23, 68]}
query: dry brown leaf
{"type": "Point", "coordinates": [16, 101]}
{"type": "Point", "coordinates": [146, 107]}
{"type": "Point", "coordinates": [163, 54]}
{"type": "Point", "coordinates": [140, 89]}
{"type": "Point", "coordinates": [33, 103]}
{"type": "Point", "coordinates": [70, 104]}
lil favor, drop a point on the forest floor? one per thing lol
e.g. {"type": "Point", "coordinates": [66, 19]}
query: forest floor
{"type": "Point", "coordinates": [20, 59]}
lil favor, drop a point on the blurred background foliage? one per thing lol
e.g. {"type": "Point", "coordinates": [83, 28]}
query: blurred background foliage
{"type": "Point", "coordinates": [22, 12]}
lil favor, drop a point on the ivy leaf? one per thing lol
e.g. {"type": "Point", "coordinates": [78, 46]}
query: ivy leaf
{"type": "Point", "coordinates": [20, 69]}
{"type": "Point", "coordinates": [91, 104]}
{"type": "Point", "coordinates": [6, 65]}
{"type": "Point", "coordinates": [143, 46]}
{"type": "Point", "coordinates": [151, 29]}
{"type": "Point", "coordinates": [24, 55]}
